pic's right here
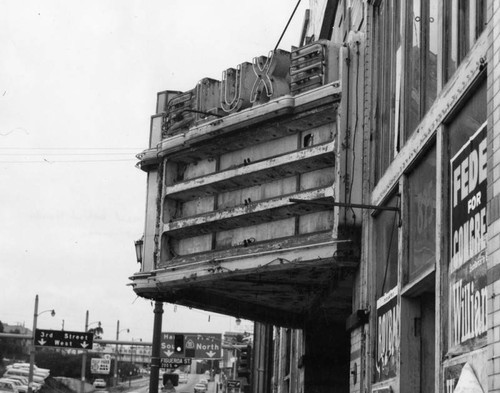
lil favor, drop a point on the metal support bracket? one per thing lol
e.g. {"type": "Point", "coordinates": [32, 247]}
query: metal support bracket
{"type": "Point", "coordinates": [351, 205]}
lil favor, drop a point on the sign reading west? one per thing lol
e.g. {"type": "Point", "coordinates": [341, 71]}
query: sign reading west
{"type": "Point", "coordinates": [60, 338]}
{"type": "Point", "coordinates": [194, 345]}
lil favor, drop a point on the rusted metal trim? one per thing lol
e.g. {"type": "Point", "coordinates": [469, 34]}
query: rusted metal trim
{"type": "Point", "coordinates": [342, 204]}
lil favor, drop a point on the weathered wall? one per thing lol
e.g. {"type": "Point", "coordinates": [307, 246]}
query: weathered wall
{"type": "Point", "coordinates": [493, 250]}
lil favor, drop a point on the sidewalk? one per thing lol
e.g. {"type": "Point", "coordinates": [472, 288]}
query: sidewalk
{"type": "Point", "coordinates": [213, 386]}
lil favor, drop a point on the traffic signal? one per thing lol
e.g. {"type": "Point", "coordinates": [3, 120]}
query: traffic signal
{"type": "Point", "coordinates": [244, 362]}
{"type": "Point", "coordinates": [179, 343]}
{"type": "Point", "coordinates": [172, 377]}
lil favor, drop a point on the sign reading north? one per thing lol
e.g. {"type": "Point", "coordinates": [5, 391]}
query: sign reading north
{"type": "Point", "coordinates": [469, 227]}
{"type": "Point", "coordinates": [66, 339]}
{"type": "Point", "coordinates": [196, 345]}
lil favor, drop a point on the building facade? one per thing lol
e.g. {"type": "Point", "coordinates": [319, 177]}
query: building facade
{"type": "Point", "coordinates": [344, 196]}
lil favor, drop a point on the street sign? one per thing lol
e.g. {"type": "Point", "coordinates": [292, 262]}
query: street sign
{"type": "Point", "coordinates": [174, 362]}
{"type": "Point", "coordinates": [233, 386]}
{"type": "Point", "coordinates": [66, 339]}
{"type": "Point", "coordinates": [196, 345]}
{"type": "Point", "coordinates": [100, 366]}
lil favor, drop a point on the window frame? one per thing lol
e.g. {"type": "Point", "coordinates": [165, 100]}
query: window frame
{"type": "Point", "coordinates": [388, 42]}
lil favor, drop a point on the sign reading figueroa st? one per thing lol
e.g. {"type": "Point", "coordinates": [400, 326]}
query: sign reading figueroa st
{"type": "Point", "coordinates": [468, 300]}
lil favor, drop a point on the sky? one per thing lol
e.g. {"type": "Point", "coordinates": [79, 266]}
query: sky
{"type": "Point", "coordinates": [78, 84]}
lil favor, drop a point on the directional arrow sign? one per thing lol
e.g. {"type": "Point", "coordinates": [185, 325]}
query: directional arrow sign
{"type": "Point", "coordinates": [174, 362]}
{"type": "Point", "coordinates": [100, 366]}
{"type": "Point", "coordinates": [59, 338]}
{"type": "Point", "coordinates": [196, 345]}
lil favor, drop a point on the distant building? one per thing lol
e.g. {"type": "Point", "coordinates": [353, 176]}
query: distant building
{"type": "Point", "coordinates": [18, 328]}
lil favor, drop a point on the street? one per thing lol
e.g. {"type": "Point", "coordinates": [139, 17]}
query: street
{"type": "Point", "coordinates": [142, 385]}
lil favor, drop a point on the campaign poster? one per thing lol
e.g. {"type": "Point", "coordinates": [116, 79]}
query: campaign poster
{"type": "Point", "coordinates": [467, 272]}
{"type": "Point", "coordinates": [451, 376]}
{"type": "Point", "coordinates": [387, 343]}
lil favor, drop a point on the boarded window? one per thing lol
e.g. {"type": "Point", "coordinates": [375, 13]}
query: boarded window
{"type": "Point", "coordinates": [422, 215]}
{"type": "Point", "coordinates": [388, 61]}
{"type": "Point", "coordinates": [386, 229]}
{"type": "Point", "coordinates": [421, 60]}
{"type": "Point", "coordinates": [464, 22]}
{"type": "Point", "coordinates": [468, 120]}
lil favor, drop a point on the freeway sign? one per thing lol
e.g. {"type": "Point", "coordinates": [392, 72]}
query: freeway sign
{"type": "Point", "coordinates": [60, 338]}
{"type": "Point", "coordinates": [174, 362]}
{"type": "Point", "coordinates": [196, 345]}
{"type": "Point", "coordinates": [100, 366]}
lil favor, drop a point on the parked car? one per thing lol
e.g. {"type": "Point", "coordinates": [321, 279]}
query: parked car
{"type": "Point", "coordinates": [200, 388]}
{"type": "Point", "coordinates": [204, 381]}
{"type": "Point", "coordinates": [99, 383]}
{"type": "Point", "coordinates": [8, 387]}
{"type": "Point", "coordinates": [19, 385]}
{"type": "Point", "coordinates": [23, 373]}
{"type": "Point", "coordinates": [36, 369]}
{"type": "Point", "coordinates": [24, 381]}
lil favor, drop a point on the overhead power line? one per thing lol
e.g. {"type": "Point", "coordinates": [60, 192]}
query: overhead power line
{"type": "Point", "coordinates": [73, 148]}
{"type": "Point", "coordinates": [64, 154]}
{"type": "Point", "coordinates": [288, 23]}
{"type": "Point", "coordinates": [65, 161]}
{"type": "Point", "coordinates": [44, 155]}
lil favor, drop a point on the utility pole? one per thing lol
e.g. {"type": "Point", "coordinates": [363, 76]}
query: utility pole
{"type": "Point", "coordinates": [116, 354]}
{"type": "Point", "coordinates": [155, 350]}
{"type": "Point", "coordinates": [84, 357]}
{"type": "Point", "coordinates": [32, 349]}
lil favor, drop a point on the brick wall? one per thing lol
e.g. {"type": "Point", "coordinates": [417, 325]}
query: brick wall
{"type": "Point", "coordinates": [493, 248]}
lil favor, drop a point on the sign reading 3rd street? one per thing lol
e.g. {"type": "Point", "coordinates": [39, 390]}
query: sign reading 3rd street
{"type": "Point", "coordinates": [66, 339]}
{"type": "Point", "coordinates": [195, 345]}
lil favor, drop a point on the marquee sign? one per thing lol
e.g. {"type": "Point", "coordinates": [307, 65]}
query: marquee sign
{"type": "Point", "coordinates": [250, 84]}
{"type": "Point", "coordinates": [468, 300]}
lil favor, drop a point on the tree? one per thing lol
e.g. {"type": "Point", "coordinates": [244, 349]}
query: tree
{"type": "Point", "coordinates": [97, 332]}
{"type": "Point", "coordinates": [11, 347]}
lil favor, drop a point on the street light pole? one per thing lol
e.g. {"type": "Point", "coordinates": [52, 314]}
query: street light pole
{"type": "Point", "coordinates": [32, 348]}
{"type": "Point", "coordinates": [33, 344]}
{"type": "Point", "coordinates": [116, 354]}
{"type": "Point", "coordinates": [155, 350]}
{"type": "Point", "coordinates": [84, 357]}
{"type": "Point", "coordinates": [116, 351]}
